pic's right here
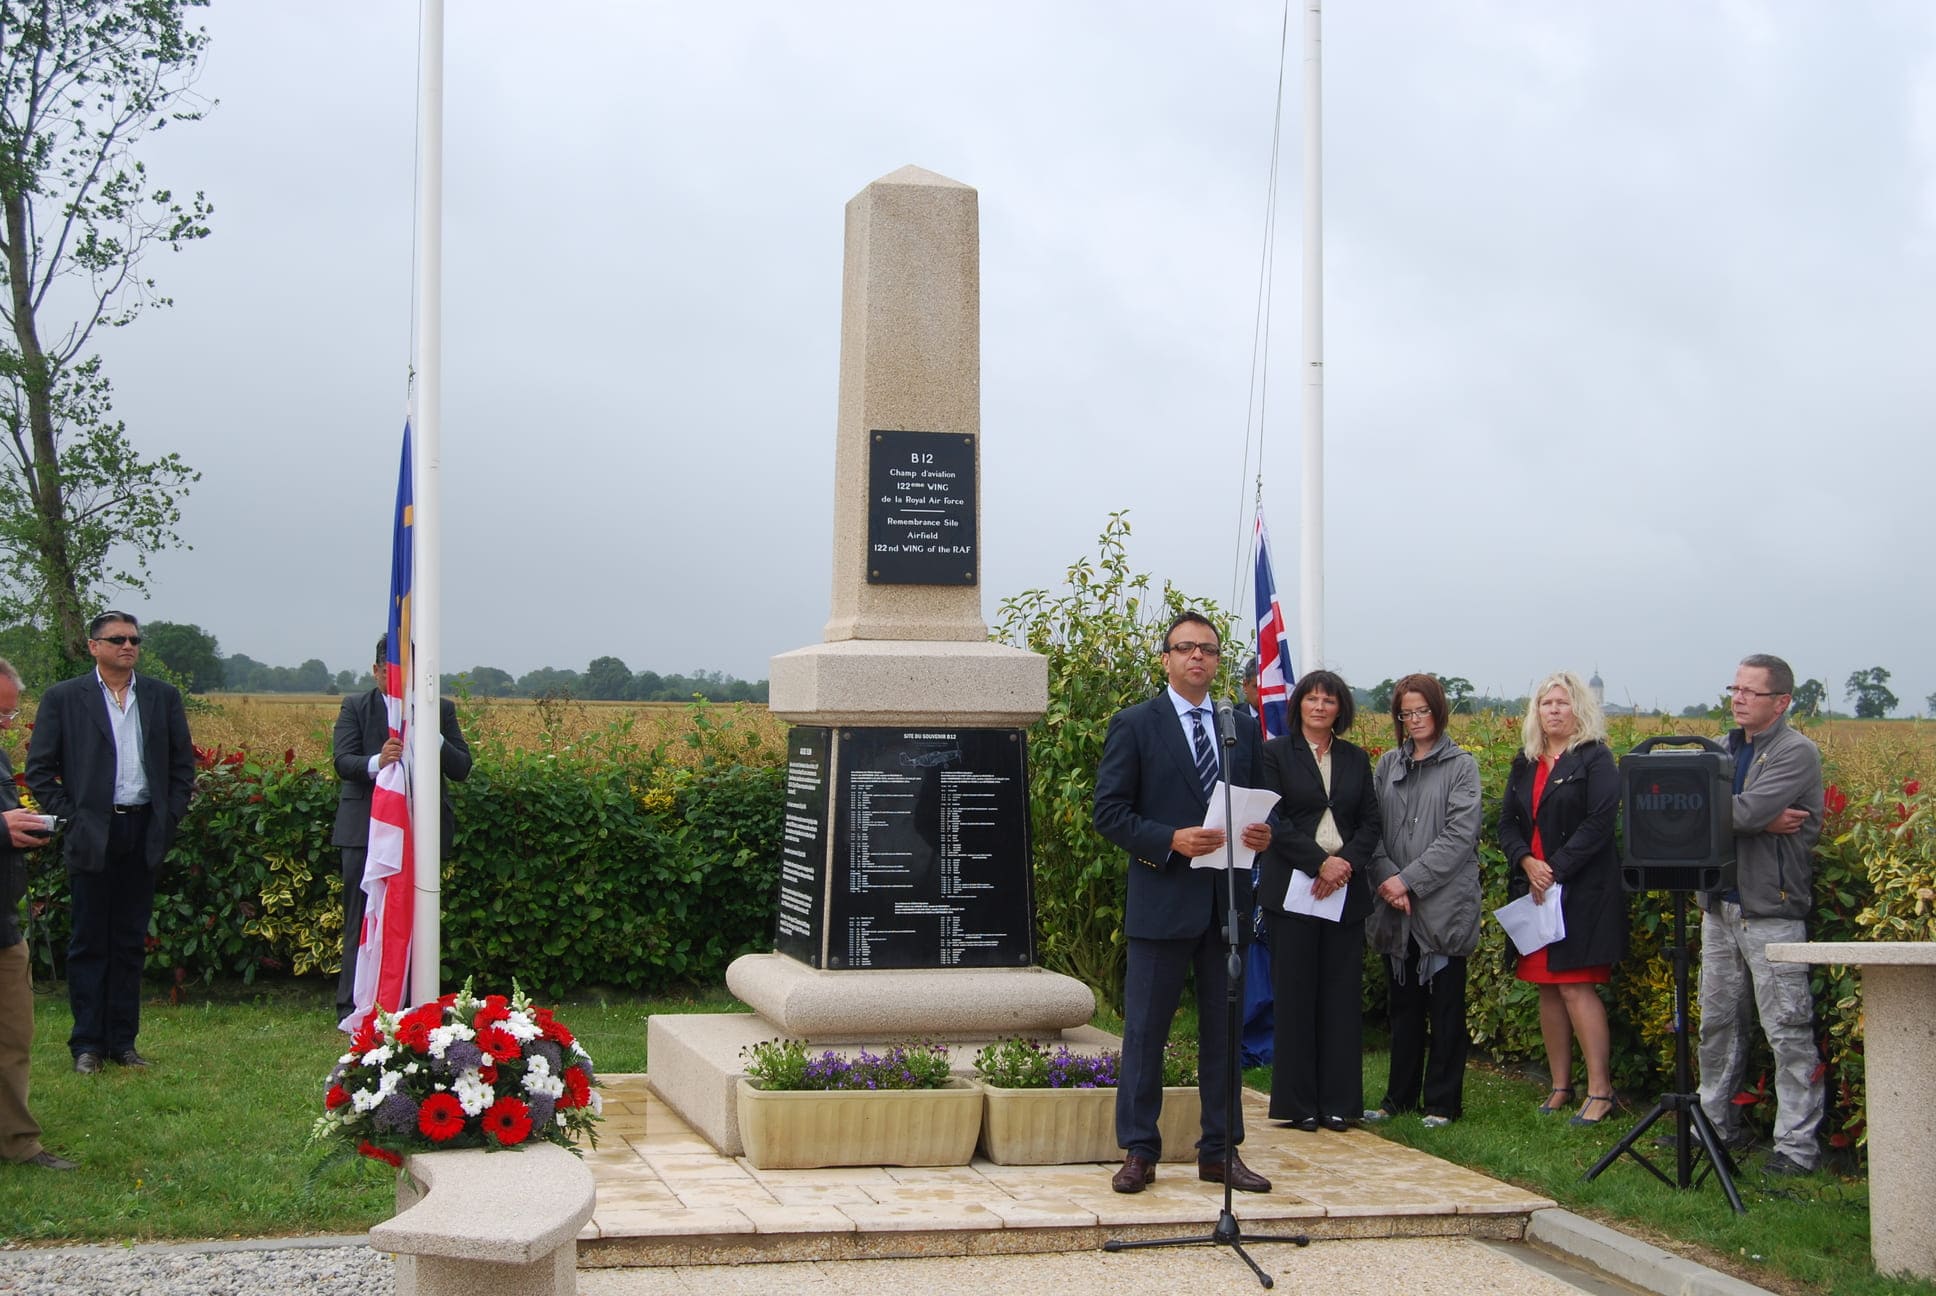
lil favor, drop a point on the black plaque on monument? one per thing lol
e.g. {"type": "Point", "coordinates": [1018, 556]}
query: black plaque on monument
{"type": "Point", "coordinates": [803, 845]}
{"type": "Point", "coordinates": [927, 863]}
{"type": "Point", "coordinates": [921, 509]}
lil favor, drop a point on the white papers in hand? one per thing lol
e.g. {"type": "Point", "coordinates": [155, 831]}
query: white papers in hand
{"type": "Point", "coordinates": [1298, 899]}
{"type": "Point", "coordinates": [1530, 926]}
{"type": "Point", "coordinates": [1250, 805]}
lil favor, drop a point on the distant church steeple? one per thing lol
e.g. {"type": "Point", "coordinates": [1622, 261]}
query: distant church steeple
{"type": "Point", "coordinates": [1599, 688]}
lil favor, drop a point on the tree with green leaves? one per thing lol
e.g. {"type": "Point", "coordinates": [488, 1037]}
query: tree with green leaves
{"type": "Point", "coordinates": [1869, 690]}
{"type": "Point", "coordinates": [189, 652]}
{"type": "Point", "coordinates": [82, 84]}
{"type": "Point", "coordinates": [608, 679]}
{"type": "Point", "coordinates": [1102, 635]}
{"type": "Point", "coordinates": [1809, 696]}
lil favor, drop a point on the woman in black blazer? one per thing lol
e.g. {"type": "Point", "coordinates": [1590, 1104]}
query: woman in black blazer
{"type": "Point", "coordinates": [1556, 827]}
{"type": "Point", "coordinates": [1324, 833]}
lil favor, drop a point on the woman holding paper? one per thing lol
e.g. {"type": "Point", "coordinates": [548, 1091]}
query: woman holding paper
{"type": "Point", "coordinates": [1426, 917]}
{"type": "Point", "coordinates": [1315, 896]}
{"type": "Point", "coordinates": [1556, 828]}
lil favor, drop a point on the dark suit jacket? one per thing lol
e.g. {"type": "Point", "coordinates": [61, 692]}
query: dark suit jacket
{"type": "Point", "coordinates": [362, 726]}
{"type": "Point", "coordinates": [1291, 771]}
{"type": "Point", "coordinates": [1146, 789]}
{"type": "Point", "coordinates": [13, 861]}
{"type": "Point", "coordinates": [1576, 818]}
{"type": "Point", "coordinates": [70, 766]}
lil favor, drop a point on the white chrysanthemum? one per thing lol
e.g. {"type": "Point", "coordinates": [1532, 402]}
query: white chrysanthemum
{"type": "Point", "coordinates": [348, 1059]}
{"type": "Point", "coordinates": [377, 1056]}
{"type": "Point", "coordinates": [443, 1036]}
{"type": "Point", "coordinates": [539, 1080]}
{"type": "Point", "coordinates": [520, 1027]}
{"type": "Point", "coordinates": [597, 1103]}
{"type": "Point", "coordinates": [411, 1069]}
{"type": "Point", "coordinates": [473, 1095]}
{"type": "Point", "coordinates": [365, 1100]}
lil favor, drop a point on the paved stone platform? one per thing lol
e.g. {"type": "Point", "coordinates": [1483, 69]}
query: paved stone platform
{"type": "Point", "coordinates": [665, 1197]}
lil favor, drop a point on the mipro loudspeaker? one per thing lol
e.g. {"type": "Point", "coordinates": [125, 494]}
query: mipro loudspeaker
{"type": "Point", "coordinates": [1678, 809]}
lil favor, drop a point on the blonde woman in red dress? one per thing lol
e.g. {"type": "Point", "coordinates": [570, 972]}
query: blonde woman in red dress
{"type": "Point", "coordinates": [1556, 828]}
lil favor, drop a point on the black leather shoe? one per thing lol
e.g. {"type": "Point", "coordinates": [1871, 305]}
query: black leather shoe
{"type": "Point", "coordinates": [1242, 1177]}
{"type": "Point", "coordinates": [130, 1058]}
{"type": "Point", "coordinates": [48, 1161]}
{"type": "Point", "coordinates": [87, 1063]}
{"type": "Point", "coordinates": [1309, 1125]}
{"type": "Point", "coordinates": [1137, 1172]}
{"type": "Point", "coordinates": [1336, 1124]}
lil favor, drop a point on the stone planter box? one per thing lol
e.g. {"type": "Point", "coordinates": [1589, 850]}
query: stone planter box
{"type": "Point", "coordinates": [791, 1129]}
{"type": "Point", "coordinates": [1072, 1126]}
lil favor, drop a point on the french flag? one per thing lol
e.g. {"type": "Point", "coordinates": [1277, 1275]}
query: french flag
{"type": "Point", "coordinates": [383, 950]}
{"type": "Point", "coordinates": [1275, 675]}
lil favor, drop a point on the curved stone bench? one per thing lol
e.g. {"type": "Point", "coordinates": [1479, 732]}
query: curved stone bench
{"type": "Point", "coordinates": [474, 1222]}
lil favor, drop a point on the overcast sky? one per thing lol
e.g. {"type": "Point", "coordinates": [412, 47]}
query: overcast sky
{"type": "Point", "coordinates": [1628, 322]}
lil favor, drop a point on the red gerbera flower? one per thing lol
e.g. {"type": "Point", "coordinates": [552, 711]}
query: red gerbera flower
{"type": "Point", "coordinates": [554, 1030]}
{"type": "Point", "coordinates": [441, 1117]}
{"type": "Point", "coordinates": [414, 1034]}
{"type": "Point", "coordinates": [487, 1073]}
{"type": "Point", "coordinates": [336, 1097]}
{"type": "Point", "coordinates": [370, 1149]}
{"type": "Point", "coordinates": [366, 1037]}
{"type": "Point", "coordinates": [496, 1008]}
{"type": "Point", "coordinates": [508, 1121]}
{"type": "Point", "coordinates": [578, 1088]}
{"type": "Point", "coordinates": [501, 1044]}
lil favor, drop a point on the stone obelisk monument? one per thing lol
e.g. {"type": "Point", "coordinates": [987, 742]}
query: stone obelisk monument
{"type": "Point", "coordinates": [904, 906]}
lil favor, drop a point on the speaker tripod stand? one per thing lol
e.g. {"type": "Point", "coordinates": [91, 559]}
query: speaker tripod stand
{"type": "Point", "coordinates": [1227, 1232]}
{"type": "Point", "coordinates": [1693, 1131]}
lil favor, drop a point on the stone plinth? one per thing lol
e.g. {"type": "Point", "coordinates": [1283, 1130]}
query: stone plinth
{"type": "Point", "coordinates": [1899, 1055]}
{"type": "Point", "coordinates": [896, 682]}
{"type": "Point", "coordinates": [697, 1064]}
{"type": "Point", "coordinates": [941, 1003]}
{"type": "Point", "coordinates": [476, 1223]}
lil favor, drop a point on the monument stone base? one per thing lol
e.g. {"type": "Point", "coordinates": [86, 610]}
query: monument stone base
{"type": "Point", "coordinates": [695, 1059]}
{"type": "Point", "coordinates": [888, 682]}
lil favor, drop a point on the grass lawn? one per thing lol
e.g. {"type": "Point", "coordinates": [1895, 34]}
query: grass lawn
{"type": "Point", "coordinates": [1799, 1235]}
{"type": "Point", "coordinates": [212, 1140]}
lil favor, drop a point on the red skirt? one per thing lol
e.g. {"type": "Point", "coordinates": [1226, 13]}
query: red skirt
{"type": "Point", "coordinates": [1532, 967]}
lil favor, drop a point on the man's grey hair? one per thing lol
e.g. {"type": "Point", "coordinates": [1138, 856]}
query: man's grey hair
{"type": "Point", "coordinates": [1781, 676]}
{"type": "Point", "coordinates": [7, 669]}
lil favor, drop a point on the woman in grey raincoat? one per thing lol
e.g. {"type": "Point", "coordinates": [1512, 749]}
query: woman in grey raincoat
{"type": "Point", "coordinates": [1425, 918]}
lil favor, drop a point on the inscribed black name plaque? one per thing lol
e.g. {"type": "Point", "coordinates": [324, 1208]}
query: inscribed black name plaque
{"type": "Point", "coordinates": [920, 853]}
{"type": "Point", "coordinates": [921, 509]}
{"type": "Point", "coordinates": [803, 845]}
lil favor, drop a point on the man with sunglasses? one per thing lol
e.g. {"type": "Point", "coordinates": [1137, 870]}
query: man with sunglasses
{"type": "Point", "coordinates": [1160, 760]}
{"type": "Point", "coordinates": [111, 755]}
{"type": "Point", "coordinates": [1777, 813]}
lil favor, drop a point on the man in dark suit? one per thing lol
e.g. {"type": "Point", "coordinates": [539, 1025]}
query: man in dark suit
{"type": "Point", "coordinates": [362, 745]}
{"type": "Point", "coordinates": [1159, 761]}
{"type": "Point", "coordinates": [111, 755]}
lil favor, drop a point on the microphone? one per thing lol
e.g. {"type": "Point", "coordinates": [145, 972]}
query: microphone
{"type": "Point", "coordinates": [1227, 723]}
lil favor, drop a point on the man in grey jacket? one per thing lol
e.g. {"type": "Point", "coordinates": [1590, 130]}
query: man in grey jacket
{"type": "Point", "coordinates": [1777, 820]}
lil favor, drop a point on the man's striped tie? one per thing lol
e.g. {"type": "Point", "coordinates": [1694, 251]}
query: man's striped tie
{"type": "Point", "coordinates": [1206, 757]}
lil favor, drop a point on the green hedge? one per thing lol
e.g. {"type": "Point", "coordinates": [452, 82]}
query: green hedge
{"type": "Point", "coordinates": [599, 863]}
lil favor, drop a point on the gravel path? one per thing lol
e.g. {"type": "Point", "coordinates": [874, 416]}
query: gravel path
{"type": "Point", "coordinates": [331, 1270]}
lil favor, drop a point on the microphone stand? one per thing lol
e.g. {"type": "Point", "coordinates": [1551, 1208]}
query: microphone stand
{"type": "Point", "coordinates": [1227, 1233]}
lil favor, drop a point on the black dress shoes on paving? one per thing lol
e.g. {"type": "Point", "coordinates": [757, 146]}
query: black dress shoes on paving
{"type": "Point", "coordinates": [87, 1063]}
{"type": "Point", "coordinates": [1336, 1124]}
{"type": "Point", "coordinates": [1136, 1173]}
{"type": "Point", "coordinates": [1242, 1177]}
{"type": "Point", "coordinates": [48, 1161]}
{"type": "Point", "coordinates": [130, 1058]}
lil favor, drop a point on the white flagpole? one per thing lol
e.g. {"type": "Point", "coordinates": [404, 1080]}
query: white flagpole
{"type": "Point", "coordinates": [1310, 583]}
{"type": "Point", "coordinates": [426, 598]}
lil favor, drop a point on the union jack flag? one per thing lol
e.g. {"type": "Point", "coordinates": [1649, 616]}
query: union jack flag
{"type": "Point", "coordinates": [1274, 672]}
{"type": "Point", "coordinates": [383, 948]}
